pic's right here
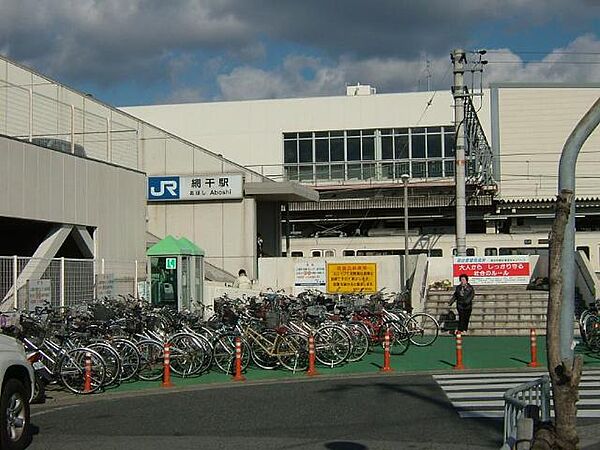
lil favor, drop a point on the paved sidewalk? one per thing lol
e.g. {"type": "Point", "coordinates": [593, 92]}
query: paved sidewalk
{"type": "Point", "coordinates": [480, 353]}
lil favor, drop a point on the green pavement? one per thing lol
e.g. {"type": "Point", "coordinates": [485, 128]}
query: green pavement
{"type": "Point", "coordinates": [484, 353]}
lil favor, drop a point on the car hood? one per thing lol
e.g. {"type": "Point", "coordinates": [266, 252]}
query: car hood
{"type": "Point", "coordinates": [9, 344]}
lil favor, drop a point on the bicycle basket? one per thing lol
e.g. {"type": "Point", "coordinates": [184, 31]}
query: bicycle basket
{"type": "Point", "coordinates": [274, 319]}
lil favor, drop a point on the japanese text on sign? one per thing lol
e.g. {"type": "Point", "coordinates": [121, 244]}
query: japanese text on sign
{"type": "Point", "coordinates": [309, 275]}
{"type": "Point", "coordinates": [197, 187]}
{"type": "Point", "coordinates": [351, 278]}
{"type": "Point", "coordinates": [513, 269]}
{"type": "Point", "coordinates": [40, 293]}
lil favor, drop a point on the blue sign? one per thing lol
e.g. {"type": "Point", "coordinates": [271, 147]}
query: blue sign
{"type": "Point", "coordinates": [163, 188]}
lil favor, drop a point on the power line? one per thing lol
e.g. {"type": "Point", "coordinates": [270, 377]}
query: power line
{"type": "Point", "coordinates": [590, 63]}
{"type": "Point", "coordinates": [527, 52]}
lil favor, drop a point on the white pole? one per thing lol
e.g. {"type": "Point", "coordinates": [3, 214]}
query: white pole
{"type": "Point", "coordinates": [30, 114]}
{"type": "Point", "coordinates": [62, 281]}
{"type": "Point", "coordinates": [108, 143]}
{"type": "Point", "coordinates": [15, 280]}
{"type": "Point", "coordinates": [72, 129]}
{"type": "Point", "coordinates": [135, 281]}
{"type": "Point", "coordinates": [102, 267]}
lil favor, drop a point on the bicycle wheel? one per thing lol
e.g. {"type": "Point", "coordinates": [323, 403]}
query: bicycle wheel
{"type": "Point", "coordinates": [400, 337]}
{"type": "Point", "coordinates": [187, 354]}
{"type": "Point", "coordinates": [151, 360]}
{"type": "Point", "coordinates": [292, 351]}
{"type": "Point", "coordinates": [224, 353]}
{"type": "Point", "coordinates": [423, 329]}
{"type": "Point", "coordinates": [261, 356]}
{"type": "Point", "coordinates": [71, 370]}
{"type": "Point", "coordinates": [360, 342]}
{"type": "Point", "coordinates": [130, 358]}
{"type": "Point", "coordinates": [332, 345]}
{"type": "Point", "coordinates": [111, 360]}
{"type": "Point", "coordinates": [208, 352]}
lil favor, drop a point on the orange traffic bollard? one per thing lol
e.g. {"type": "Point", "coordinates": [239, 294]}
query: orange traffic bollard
{"type": "Point", "coordinates": [166, 383]}
{"type": "Point", "coordinates": [533, 340]}
{"type": "Point", "coordinates": [312, 371]}
{"type": "Point", "coordinates": [238, 361]}
{"type": "Point", "coordinates": [87, 377]}
{"type": "Point", "coordinates": [459, 352]}
{"type": "Point", "coordinates": [387, 367]}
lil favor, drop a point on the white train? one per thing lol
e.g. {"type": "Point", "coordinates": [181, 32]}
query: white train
{"type": "Point", "coordinates": [441, 245]}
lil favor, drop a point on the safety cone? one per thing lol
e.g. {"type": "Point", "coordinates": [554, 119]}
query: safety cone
{"type": "Point", "coordinates": [166, 383]}
{"type": "Point", "coordinates": [238, 361]}
{"type": "Point", "coordinates": [459, 352]}
{"type": "Point", "coordinates": [312, 371]}
{"type": "Point", "coordinates": [387, 367]}
{"type": "Point", "coordinates": [87, 377]}
{"type": "Point", "coordinates": [533, 341]}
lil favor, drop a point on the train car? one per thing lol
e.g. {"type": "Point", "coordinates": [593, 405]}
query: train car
{"type": "Point", "coordinates": [440, 245]}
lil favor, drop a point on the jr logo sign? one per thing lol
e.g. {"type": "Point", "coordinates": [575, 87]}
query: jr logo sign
{"type": "Point", "coordinates": [163, 188]}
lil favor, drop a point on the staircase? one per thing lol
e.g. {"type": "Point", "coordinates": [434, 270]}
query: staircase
{"type": "Point", "coordinates": [498, 310]}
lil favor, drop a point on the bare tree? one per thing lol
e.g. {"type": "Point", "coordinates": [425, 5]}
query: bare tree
{"type": "Point", "coordinates": [565, 374]}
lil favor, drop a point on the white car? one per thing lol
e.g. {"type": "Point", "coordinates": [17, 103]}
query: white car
{"type": "Point", "coordinates": [16, 378]}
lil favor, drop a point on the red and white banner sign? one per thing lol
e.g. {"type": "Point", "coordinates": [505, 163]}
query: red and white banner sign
{"type": "Point", "coordinates": [513, 269]}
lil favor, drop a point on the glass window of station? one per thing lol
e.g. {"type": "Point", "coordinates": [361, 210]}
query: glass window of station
{"type": "Point", "coordinates": [370, 154]}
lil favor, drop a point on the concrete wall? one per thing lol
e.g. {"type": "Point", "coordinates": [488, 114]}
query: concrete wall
{"type": "Point", "coordinates": [250, 132]}
{"type": "Point", "coordinates": [279, 273]}
{"type": "Point", "coordinates": [46, 185]}
{"type": "Point", "coordinates": [534, 123]}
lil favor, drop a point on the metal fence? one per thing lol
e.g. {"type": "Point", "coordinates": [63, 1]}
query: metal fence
{"type": "Point", "coordinates": [518, 399]}
{"type": "Point", "coordinates": [66, 281]}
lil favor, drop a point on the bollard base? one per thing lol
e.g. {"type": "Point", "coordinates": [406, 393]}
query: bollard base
{"type": "Point", "coordinates": [168, 384]}
{"type": "Point", "coordinates": [312, 373]}
{"type": "Point", "coordinates": [386, 369]}
{"type": "Point", "coordinates": [459, 367]}
{"type": "Point", "coordinates": [239, 378]}
{"type": "Point", "coordinates": [533, 364]}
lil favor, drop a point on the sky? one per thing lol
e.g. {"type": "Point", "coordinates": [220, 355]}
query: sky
{"type": "Point", "coordinates": [135, 52]}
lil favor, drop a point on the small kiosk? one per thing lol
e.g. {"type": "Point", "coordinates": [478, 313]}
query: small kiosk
{"type": "Point", "coordinates": [176, 268]}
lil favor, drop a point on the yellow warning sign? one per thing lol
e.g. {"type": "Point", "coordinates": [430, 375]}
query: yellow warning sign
{"type": "Point", "coordinates": [351, 278]}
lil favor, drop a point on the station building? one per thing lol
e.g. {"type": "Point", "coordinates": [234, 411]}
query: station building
{"type": "Point", "coordinates": [354, 149]}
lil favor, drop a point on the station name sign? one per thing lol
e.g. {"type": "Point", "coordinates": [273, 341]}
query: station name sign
{"type": "Point", "coordinates": [196, 187]}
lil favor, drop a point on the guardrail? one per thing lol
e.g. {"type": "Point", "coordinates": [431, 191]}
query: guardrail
{"type": "Point", "coordinates": [516, 402]}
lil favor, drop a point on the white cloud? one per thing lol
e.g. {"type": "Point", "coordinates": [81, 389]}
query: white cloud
{"type": "Point", "coordinates": [575, 63]}
{"type": "Point", "coordinates": [300, 76]}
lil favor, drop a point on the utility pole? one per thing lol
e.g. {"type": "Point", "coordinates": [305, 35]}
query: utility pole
{"type": "Point", "coordinates": [405, 177]}
{"type": "Point", "coordinates": [459, 60]}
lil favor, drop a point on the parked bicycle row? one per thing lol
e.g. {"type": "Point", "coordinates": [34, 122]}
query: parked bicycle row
{"type": "Point", "coordinates": [123, 339]}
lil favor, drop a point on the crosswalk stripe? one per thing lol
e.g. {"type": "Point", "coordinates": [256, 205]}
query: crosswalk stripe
{"type": "Point", "coordinates": [481, 395]}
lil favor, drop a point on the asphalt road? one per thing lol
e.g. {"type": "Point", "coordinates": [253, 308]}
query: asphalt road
{"type": "Point", "coordinates": [399, 412]}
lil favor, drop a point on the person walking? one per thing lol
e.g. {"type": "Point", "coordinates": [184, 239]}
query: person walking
{"type": "Point", "coordinates": [463, 296]}
{"type": "Point", "coordinates": [242, 281]}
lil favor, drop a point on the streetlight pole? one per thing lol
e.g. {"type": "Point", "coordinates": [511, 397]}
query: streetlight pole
{"type": "Point", "coordinates": [459, 60]}
{"type": "Point", "coordinates": [405, 177]}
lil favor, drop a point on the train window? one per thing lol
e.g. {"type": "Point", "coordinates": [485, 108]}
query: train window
{"type": "Point", "coordinates": [329, 253]}
{"type": "Point", "coordinates": [349, 253]}
{"type": "Point", "coordinates": [527, 241]}
{"type": "Point", "coordinates": [470, 252]}
{"type": "Point", "coordinates": [297, 254]}
{"type": "Point", "coordinates": [491, 251]}
{"type": "Point", "coordinates": [585, 249]}
{"type": "Point", "coordinates": [543, 241]}
{"type": "Point", "coordinates": [436, 253]}
{"type": "Point", "coordinates": [316, 253]}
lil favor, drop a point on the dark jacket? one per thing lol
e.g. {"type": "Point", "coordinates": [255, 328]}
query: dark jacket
{"type": "Point", "coordinates": [463, 296]}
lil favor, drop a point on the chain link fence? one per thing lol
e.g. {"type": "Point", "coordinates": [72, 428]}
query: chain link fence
{"type": "Point", "coordinates": [66, 281]}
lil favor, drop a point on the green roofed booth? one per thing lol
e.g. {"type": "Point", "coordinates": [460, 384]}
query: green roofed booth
{"type": "Point", "coordinates": [176, 268]}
